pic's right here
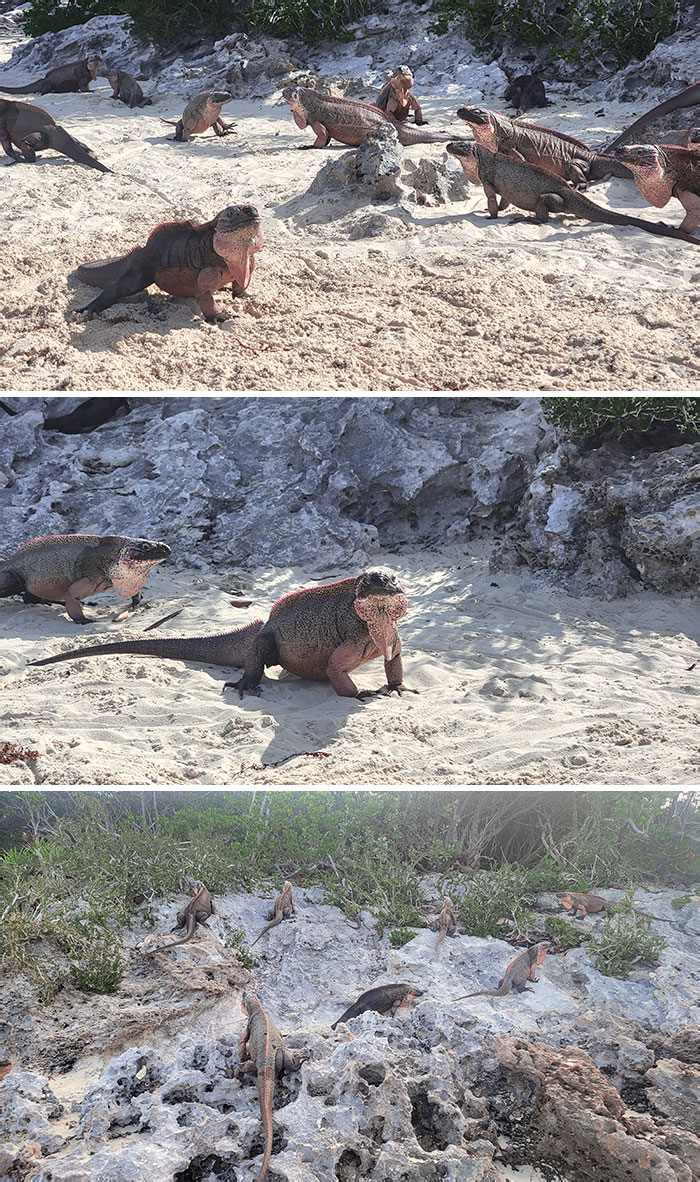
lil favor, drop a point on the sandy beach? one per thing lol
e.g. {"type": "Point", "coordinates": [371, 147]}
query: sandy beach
{"type": "Point", "coordinates": [347, 294]}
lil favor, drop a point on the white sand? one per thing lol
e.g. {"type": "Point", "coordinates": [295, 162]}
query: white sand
{"type": "Point", "coordinates": [518, 685]}
{"type": "Point", "coordinates": [436, 298]}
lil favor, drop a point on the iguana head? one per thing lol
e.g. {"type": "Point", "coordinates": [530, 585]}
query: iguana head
{"type": "Point", "coordinates": [133, 562]}
{"type": "Point", "coordinates": [467, 152]}
{"type": "Point", "coordinates": [379, 601]}
{"type": "Point", "coordinates": [643, 157]}
{"type": "Point", "coordinates": [403, 79]}
{"type": "Point", "coordinates": [237, 237]}
{"type": "Point", "coordinates": [250, 1002]}
{"type": "Point", "coordinates": [94, 65]}
{"type": "Point", "coordinates": [482, 123]}
{"type": "Point", "coordinates": [216, 98]}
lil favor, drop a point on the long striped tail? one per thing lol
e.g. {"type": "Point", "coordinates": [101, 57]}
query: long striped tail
{"type": "Point", "coordinates": [225, 648]}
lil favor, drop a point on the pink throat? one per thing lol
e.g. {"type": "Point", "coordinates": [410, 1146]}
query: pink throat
{"type": "Point", "coordinates": [379, 613]}
{"type": "Point", "coordinates": [651, 184]}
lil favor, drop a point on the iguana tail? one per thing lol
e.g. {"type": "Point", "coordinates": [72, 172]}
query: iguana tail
{"type": "Point", "coordinates": [582, 207]}
{"type": "Point", "coordinates": [687, 98]}
{"type": "Point", "coordinates": [189, 934]}
{"type": "Point", "coordinates": [59, 139]}
{"type": "Point", "coordinates": [31, 89]}
{"type": "Point", "coordinates": [500, 992]}
{"type": "Point", "coordinates": [415, 135]}
{"type": "Point", "coordinates": [10, 582]}
{"type": "Point", "coordinates": [266, 1088]}
{"type": "Point", "coordinates": [102, 272]}
{"type": "Point", "coordinates": [273, 923]}
{"type": "Point", "coordinates": [225, 648]}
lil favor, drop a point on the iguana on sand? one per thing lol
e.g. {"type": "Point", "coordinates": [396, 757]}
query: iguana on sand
{"type": "Point", "coordinates": [663, 171]}
{"type": "Point", "coordinates": [283, 908]}
{"type": "Point", "coordinates": [540, 192]}
{"type": "Point", "coordinates": [31, 129]}
{"type": "Point", "coordinates": [519, 972]}
{"type": "Point", "coordinates": [689, 97]}
{"type": "Point", "coordinates": [397, 99]}
{"type": "Point", "coordinates": [185, 260]}
{"type": "Point", "coordinates": [346, 120]}
{"type": "Point", "coordinates": [559, 153]}
{"type": "Point", "coordinates": [261, 1050]}
{"type": "Point", "coordinates": [203, 111]}
{"type": "Point", "coordinates": [385, 999]}
{"type": "Point", "coordinates": [198, 910]}
{"type": "Point", "coordinates": [446, 922]}
{"type": "Point", "coordinates": [127, 90]}
{"type": "Point", "coordinates": [66, 568]}
{"type": "Point", "coordinates": [525, 92]}
{"type": "Point", "coordinates": [319, 633]}
{"type": "Point", "coordinates": [585, 903]}
{"type": "Point", "coordinates": [62, 79]}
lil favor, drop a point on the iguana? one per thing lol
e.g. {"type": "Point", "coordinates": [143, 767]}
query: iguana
{"type": "Point", "coordinates": [689, 97]}
{"type": "Point", "coordinates": [319, 633]}
{"type": "Point", "coordinates": [261, 1050]}
{"type": "Point", "coordinates": [199, 909]}
{"type": "Point", "coordinates": [88, 415]}
{"type": "Point", "coordinates": [541, 192]}
{"type": "Point", "coordinates": [65, 568]}
{"type": "Point", "coordinates": [203, 111]}
{"type": "Point", "coordinates": [446, 922]}
{"type": "Point", "coordinates": [525, 92]}
{"type": "Point", "coordinates": [62, 79]}
{"type": "Point", "coordinates": [347, 120]}
{"type": "Point", "coordinates": [397, 99]}
{"type": "Point", "coordinates": [283, 908]}
{"type": "Point", "coordinates": [519, 972]}
{"type": "Point", "coordinates": [183, 259]}
{"type": "Point", "coordinates": [385, 999]}
{"type": "Point", "coordinates": [559, 153]}
{"type": "Point", "coordinates": [31, 129]}
{"type": "Point", "coordinates": [127, 90]}
{"type": "Point", "coordinates": [584, 903]}
{"type": "Point", "coordinates": [663, 171]}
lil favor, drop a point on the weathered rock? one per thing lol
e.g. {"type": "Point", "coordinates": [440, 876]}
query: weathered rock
{"type": "Point", "coordinates": [27, 1105]}
{"type": "Point", "coordinates": [674, 1091]}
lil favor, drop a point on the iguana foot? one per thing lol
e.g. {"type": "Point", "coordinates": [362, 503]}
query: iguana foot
{"type": "Point", "coordinates": [218, 317]}
{"type": "Point", "coordinates": [386, 690]}
{"type": "Point", "coordinates": [309, 147]}
{"type": "Point", "coordinates": [238, 685]}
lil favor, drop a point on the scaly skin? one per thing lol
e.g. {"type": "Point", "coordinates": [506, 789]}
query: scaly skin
{"type": "Point", "coordinates": [127, 90]}
{"type": "Point", "coordinates": [202, 112]}
{"type": "Point", "coordinates": [283, 908]}
{"type": "Point", "coordinates": [385, 999]}
{"type": "Point", "coordinates": [446, 922]}
{"type": "Point", "coordinates": [585, 903]}
{"type": "Point", "coordinates": [66, 568]}
{"type": "Point", "coordinates": [199, 909]}
{"type": "Point", "coordinates": [26, 130]}
{"type": "Point", "coordinates": [664, 171]}
{"type": "Point", "coordinates": [397, 99]}
{"type": "Point", "coordinates": [185, 260]}
{"type": "Point", "coordinates": [519, 972]}
{"type": "Point", "coordinates": [73, 76]}
{"type": "Point", "coordinates": [689, 97]}
{"type": "Point", "coordinates": [320, 633]}
{"type": "Point", "coordinates": [555, 151]}
{"type": "Point", "coordinates": [541, 192]}
{"type": "Point", "coordinates": [525, 92]}
{"type": "Point", "coordinates": [346, 120]}
{"type": "Point", "coordinates": [261, 1050]}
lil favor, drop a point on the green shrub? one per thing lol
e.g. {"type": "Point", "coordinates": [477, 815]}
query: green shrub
{"type": "Point", "coordinates": [564, 933]}
{"type": "Point", "coordinates": [682, 901]}
{"type": "Point", "coordinates": [50, 16]}
{"type": "Point", "coordinates": [492, 902]}
{"type": "Point", "coordinates": [308, 19]}
{"type": "Point", "coordinates": [624, 941]}
{"type": "Point", "coordinates": [584, 417]}
{"type": "Point", "coordinates": [236, 939]}
{"type": "Point", "coordinates": [400, 936]}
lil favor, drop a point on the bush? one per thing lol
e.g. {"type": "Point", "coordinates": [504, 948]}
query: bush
{"type": "Point", "coordinates": [307, 19]}
{"type": "Point", "coordinates": [50, 16]}
{"type": "Point", "coordinates": [564, 933]}
{"type": "Point", "coordinates": [400, 936]}
{"type": "Point", "coordinates": [682, 901]}
{"type": "Point", "coordinates": [585, 417]}
{"type": "Point", "coordinates": [492, 902]}
{"type": "Point", "coordinates": [624, 942]}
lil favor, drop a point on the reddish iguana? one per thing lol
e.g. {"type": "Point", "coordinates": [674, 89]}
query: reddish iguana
{"type": "Point", "coordinates": [385, 999]}
{"type": "Point", "coordinates": [261, 1050]}
{"type": "Point", "coordinates": [31, 129]}
{"type": "Point", "coordinates": [127, 90]}
{"type": "Point", "coordinates": [61, 79]}
{"type": "Point", "coordinates": [283, 908]}
{"type": "Point", "coordinates": [541, 192]}
{"type": "Point", "coordinates": [585, 903]}
{"type": "Point", "coordinates": [319, 633]}
{"type": "Point", "coordinates": [185, 260]}
{"type": "Point", "coordinates": [663, 171]}
{"type": "Point", "coordinates": [525, 92]}
{"type": "Point", "coordinates": [397, 99]}
{"type": "Point", "coordinates": [446, 922]}
{"type": "Point", "coordinates": [203, 111]}
{"type": "Point", "coordinates": [687, 98]}
{"type": "Point", "coordinates": [199, 909]}
{"type": "Point", "coordinates": [519, 972]}
{"type": "Point", "coordinates": [559, 153]}
{"type": "Point", "coordinates": [66, 568]}
{"type": "Point", "coordinates": [347, 120]}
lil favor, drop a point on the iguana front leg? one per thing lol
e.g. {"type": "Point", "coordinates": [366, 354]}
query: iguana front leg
{"type": "Point", "coordinates": [691, 201]}
{"type": "Point", "coordinates": [6, 145]}
{"type": "Point", "coordinates": [208, 281]}
{"type": "Point", "coordinates": [491, 199]}
{"type": "Point", "coordinates": [222, 128]}
{"type": "Point", "coordinates": [242, 1043]}
{"type": "Point", "coordinates": [323, 137]}
{"type": "Point", "coordinates": [393, 671]}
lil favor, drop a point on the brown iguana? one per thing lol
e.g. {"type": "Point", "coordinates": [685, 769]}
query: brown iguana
{"type": "Point", "coordinates": [199, 909]}
{"type": "Point", "coordinates": [687, 98]}
{"type": "Point", "coordinates": [559, 153]}
{"type": "Point", "coordinates": [261, 1050]}
{"type": "Point", "coordinates": [584, 903]}
{"type": "Point", "coordinates": [66, 568]}
{"type": "Point", "coordinates": [525, 92]}
{"type": "Point", "coordinates": [519, 972]}
{"type": "Point", "coordinates": [185, 260]}
{"type": "Point", "coordinates": [201, 112]}
{"type": "Point", "coordinates": [283, 908]}
{"type": "Point", "coordinates": [319, 633]}
{"type": "Point", "coordinates": [663, 171]}
{"type": "Point", "coordinates": [127, 90]}
{"type": "Point", "coordinates": [347, 120]}
{"type": "Point", "coordinates": [31, 129]}
{"type": "Point", "coordinates": [397, 99]}
{"type": "Point", "coordinates": [385, 999]}
{"type": "Point", "coordinates": [446, 922]}
{"type": "Point", "coordinates": [61, 79]}
{"type": "Point", "coordinates": [540, 191]}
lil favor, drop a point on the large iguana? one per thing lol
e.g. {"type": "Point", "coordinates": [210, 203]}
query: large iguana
{"type": "Point", "coordinates": [62, 79]}
{"type": "Point", "coordinates": [283, 908]}
{"type": "Point", "coordinates": [199, 909]}
{"type": "Point", "coordinates": [689, 97]}
{"type": "Point", "coordinates": [397, 99]}
{"type": "Point", "coordinates": [541, 192]}
{"type": "Point", "coordinates": [261, 1050]}
{"type": "Point", "coordinates": [66, 568]}
{"type": "Point", "coordinates": [519, 972]}
{"type": "Point", "coordinates": [31, 129]}
{"type": "Point", "coordinates": [525, 92]}
{"type": "Point", "coordinates": [321, 633]}
{"type": "Point", "coordinates": [185, 260]}
{"type": "Point", "coordinates": [202, 112]}
{"type": "Point", "coordinates": [127, 90]}
{"type": "Point", "coordinates": [663, 171]}
{"type": "Point", "coordinates": [385, 999]}
{"type": "Point", "coordinates": [559, 153]}
{"type": "Point", "coordinates": [347, 120]}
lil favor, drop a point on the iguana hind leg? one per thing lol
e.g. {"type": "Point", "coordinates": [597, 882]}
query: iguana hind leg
{"type": "Point", "coordinates": [33, 143]}
{"type": "Point", "coordinates": [264, 652]}
{"type": "Point", "coordinates": [323, 138]}
{"type": "Point", "coordinates": [137, 278]}
{"type": "Point", "coordinates": [548, 203]}
{"type": "Point", "coordinates": [691, 201]}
